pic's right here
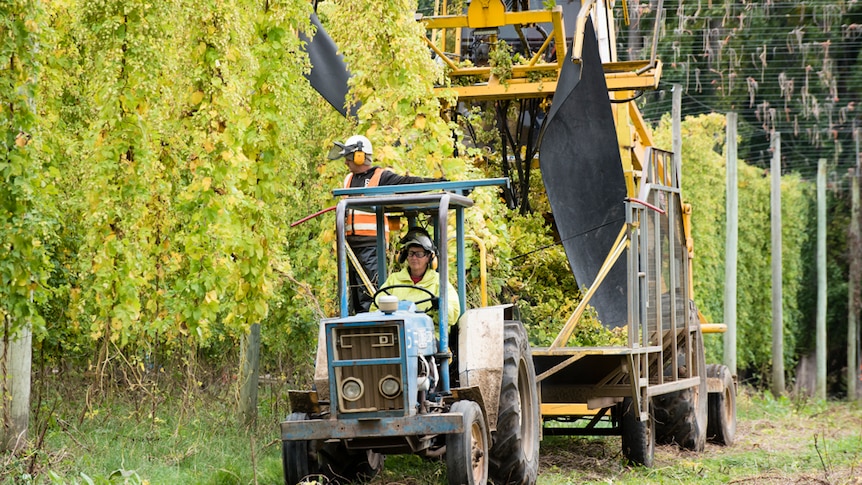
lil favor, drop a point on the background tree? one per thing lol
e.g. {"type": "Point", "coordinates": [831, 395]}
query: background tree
{"type": "Point", "coordinates": [791, 67]}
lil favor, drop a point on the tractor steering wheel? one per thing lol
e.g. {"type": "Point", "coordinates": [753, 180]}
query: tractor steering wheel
{"type": "Point", "coordinates": [385, 289]}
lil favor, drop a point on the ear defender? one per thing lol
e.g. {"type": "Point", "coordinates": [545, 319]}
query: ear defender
{"type": "Point", "coordinates": [359, 157]}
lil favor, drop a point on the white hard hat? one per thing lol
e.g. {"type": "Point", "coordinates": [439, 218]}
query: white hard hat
{"type": "Point", "coordinates": [364, 143]}
{"type": "Point", "coordinates": [416, 236]}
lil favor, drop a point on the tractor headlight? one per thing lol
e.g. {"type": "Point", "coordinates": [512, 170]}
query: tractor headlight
{"type": "Point", "coordinates": [352, 389]}
{"type": "Point", "coordinates": [390, 387]}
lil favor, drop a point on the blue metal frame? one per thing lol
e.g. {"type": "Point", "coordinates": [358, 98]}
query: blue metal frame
{"type": "Point", "coordinates": [443, 273]}
{"type": "Point", "coordinates": [347, 428]}
{"type": "Point", "coordinates": [460, 187]}
{"type": "Point", "coordinates": [444, 196]}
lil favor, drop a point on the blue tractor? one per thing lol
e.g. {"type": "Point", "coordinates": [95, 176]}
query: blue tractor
{"type": "Point", "coordinates": [396, 381]}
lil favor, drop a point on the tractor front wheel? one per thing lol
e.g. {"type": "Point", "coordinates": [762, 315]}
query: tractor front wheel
{"type": "Point", "coordinates": [297, 457]}
{"type": "Point", "coordinates": [341, 465]}
{"type": "Point", "coordinates": [467, 452]}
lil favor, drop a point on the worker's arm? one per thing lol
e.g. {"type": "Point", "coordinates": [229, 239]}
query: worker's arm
{"type": "Point", "coordinates": [388, 177]}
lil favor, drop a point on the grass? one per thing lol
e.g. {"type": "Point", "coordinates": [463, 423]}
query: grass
{"type": "Point", "coordinates": [139, 439]}
{"type": "Point", "coordinates": [195, 438]}
{"type": "Point", "coordinates": [778, 441]}
{"type": "Point", "coordinates": [204, 447]}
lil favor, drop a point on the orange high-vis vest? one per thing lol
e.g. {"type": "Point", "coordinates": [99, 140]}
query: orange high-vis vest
{"type": "Point", "coordinates": [360, 223]}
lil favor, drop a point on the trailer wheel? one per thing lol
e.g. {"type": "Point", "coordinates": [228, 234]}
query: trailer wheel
{"type": "Point", "coordinates": [297, 458]}
{"type": "Point", "coordinates": [515, 453]}
{"type": "Point", "coordinates": [676, 419]}
{"type": "Point", "coordinates": [467, 452]}
{"type": "Point", "coordinates": [722, 407]}
{"type": "Point", "coordinates": [638, 437]}
{"type": "Point", "coordinates": [681, 417]}
{"type": "Point", "coordinates": [341, 465]}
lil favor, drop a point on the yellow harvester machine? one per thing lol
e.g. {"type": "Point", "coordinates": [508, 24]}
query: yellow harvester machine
{"type": "Point", "coordinates": [617, 205]}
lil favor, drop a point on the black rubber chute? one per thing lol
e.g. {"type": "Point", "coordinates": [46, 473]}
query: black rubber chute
{"type": "Point", "coordinates": [329, 73]}
{"type": "Point", "coordinates": [583, 175]}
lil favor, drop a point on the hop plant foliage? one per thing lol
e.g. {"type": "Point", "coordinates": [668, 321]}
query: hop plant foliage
{"type": "Point", "coordinates": [188, 139]}
{"type": "Point", "coordinates": [155, 154]}
{"type": "Point", "coordinates": [393, 80]}
{"type": "Point", "coordinates": [28, 221]}
{"type": "Point", "coordinates": [181, 196]}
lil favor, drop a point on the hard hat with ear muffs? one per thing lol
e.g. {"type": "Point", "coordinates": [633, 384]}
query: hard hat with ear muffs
{"type": "Point", "coordinates": [357, 145]}
{"type": "Point", "coordinates": [417, 236]}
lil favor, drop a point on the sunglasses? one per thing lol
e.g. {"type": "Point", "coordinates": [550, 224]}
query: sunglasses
{"type": "Point", "coordinates": [417, 254]}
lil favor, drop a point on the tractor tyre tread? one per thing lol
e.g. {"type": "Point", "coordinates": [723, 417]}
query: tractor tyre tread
{"type": "Point", "coordinates": [515, 452]}
{"type": "Point", "coordinates": [681, 417]}
{"type": "Point", "coordinates": [297, 458]}
{"type": "Point", "coordinates": [341, 465]}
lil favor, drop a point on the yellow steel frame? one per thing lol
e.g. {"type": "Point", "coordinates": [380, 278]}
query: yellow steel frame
{"type": "Point", "coordinates": [537, 78]}
{"type": "Point", "coordinates": [490, 14]}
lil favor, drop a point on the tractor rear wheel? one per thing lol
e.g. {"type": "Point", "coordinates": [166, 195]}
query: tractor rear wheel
{"type": "Point", "coordinates": [515, 454]}
{"type": "Point", "coordinates": [297, 458]}
{"type": "Point", "coordinates": [681, 416]}
{"type": "Point", "coordinates": [341, 465]}
{"type": "Point", "coordinates": [467, 452]}
{"type": "Point", "coordinates": [722, 407]}
{"type": "Point", "coordinates": [638, 437]}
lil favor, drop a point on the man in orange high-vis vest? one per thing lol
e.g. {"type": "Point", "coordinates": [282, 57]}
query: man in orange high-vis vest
{"type": "Point", "coordinates": [361, 227]}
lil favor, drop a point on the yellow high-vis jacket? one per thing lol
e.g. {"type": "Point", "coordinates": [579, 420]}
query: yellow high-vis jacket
{"type": "Point", "coordinates": [431, 282]}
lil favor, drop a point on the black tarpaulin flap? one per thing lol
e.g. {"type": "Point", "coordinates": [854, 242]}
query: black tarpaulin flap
{"type": "Point", "coordinates": [583, 176]}
{"type": "Point", "coordinates": [329, 73]}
